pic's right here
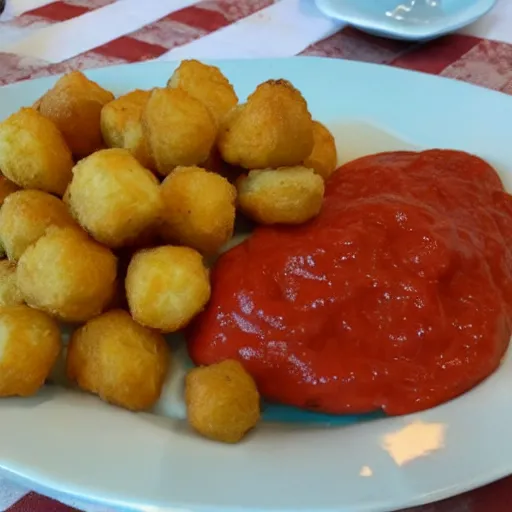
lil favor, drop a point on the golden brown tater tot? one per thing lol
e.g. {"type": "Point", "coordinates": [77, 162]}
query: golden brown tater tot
{"type": "Point", "coordinates": [117, 359]}
{"type": "Point", "coordinates": [30, 344]}
{"type": "Point", "coordinates": [166, 287]}
{"type": "Point", "coordinates": [272, 129]}
{"type": "Point", "coordinates": [74, 104]}
{"type": "Point", "coordinates": [289, 195]}
{"type": "Point", "coordinates": [199, 209]}
{"type": "Point", "coordinates": [222, 401]}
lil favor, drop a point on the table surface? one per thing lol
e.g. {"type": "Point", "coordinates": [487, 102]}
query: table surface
{"type": "Point", "coordinates": [480, 54]}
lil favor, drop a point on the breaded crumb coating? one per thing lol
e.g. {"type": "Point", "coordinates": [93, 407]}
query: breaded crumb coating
{"type": "Point", "coordinates": [222, 401]}
{"type": "Point", "coordinates": [199, 209]}
{"type": "Point", "coordinates": [179, 129]}
{"type": "Point", "coordinates": [67, 274]}
{"type": "Point", "coordinates": [207, 84]}
{"type": "Point", "coordinates": [74, 104]}
{"type": "Point", "coordinates": [272, 129]}
{"type": "Point", "coordinates": [119, 360]}
{"type": "Point", "coordinates": [30, 343]}
{"type": "Point", "coordinates": [288, 195]}
{"type": "Point", "coordinates": [33, 152]}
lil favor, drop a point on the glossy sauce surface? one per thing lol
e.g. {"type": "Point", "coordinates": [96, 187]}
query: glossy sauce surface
{"type": "Point", "coordinates": [398, 296]}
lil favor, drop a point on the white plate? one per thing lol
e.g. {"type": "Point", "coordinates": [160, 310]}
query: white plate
{"type": "Point", "coordinates": [69, 442]}
{"type": "Point", "coordinates": [406, 19]}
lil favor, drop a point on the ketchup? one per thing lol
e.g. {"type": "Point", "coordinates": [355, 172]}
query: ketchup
{"type": "Point", "coordinates": [398, 296]}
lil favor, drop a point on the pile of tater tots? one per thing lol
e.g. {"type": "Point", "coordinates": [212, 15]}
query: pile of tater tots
{"type": "Point", "coordinates": [111, 209]}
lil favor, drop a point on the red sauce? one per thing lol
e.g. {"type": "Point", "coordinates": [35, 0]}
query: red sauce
{"type": "Point", "coordinates": [397, 297]}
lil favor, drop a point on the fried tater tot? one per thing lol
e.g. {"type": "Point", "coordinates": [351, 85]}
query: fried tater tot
{"type": "Point", "coordinates": [67, 274]}
{"type": "Point", "coordinates": [113, 197]}
{"type": "Point", "coordinates": [199, 209]}
{"type": "Point", "coordinates": [25, 216]}
{"type": "Point", "coordinates": [7, 187]}
{"type": "Point", "coordinates": [272, 129]}
{"type": "Point", "coordinates": [10, 294]}
{"type": "Point", "coordinates": [37, 104]}
{"type": "Point", "coordinates": [179, 129]}
{"type": "Point", "coordinates": [122, 128]}
{"type": "Point", "coordinates": [207, 84]}
{"type": "Point", "coordinates": [323, 159]}
{"type": "Point", "coordinates": [29, 346]}
{"type": "Point", "coordinates": [222, 401]}
{"type": "Point", "coordinates": [117, 359]}
{"type": "Point", "coordinates": [289, 195]}
{"type": "Point", "coordinates": [74, 104]}
{"type": "Point", "coordinates": [166, 287]}
{"type": "Point", "coordinates": [33, 153]}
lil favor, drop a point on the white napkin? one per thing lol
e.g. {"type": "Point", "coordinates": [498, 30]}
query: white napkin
{"type": "Point", "coordinates": [282, 30]}
{"type": "Point", "coordinates": [496, 25]}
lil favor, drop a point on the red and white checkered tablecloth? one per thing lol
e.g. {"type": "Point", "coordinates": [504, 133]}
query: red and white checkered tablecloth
{"type": "Point", "coordinates": [481, 55]}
